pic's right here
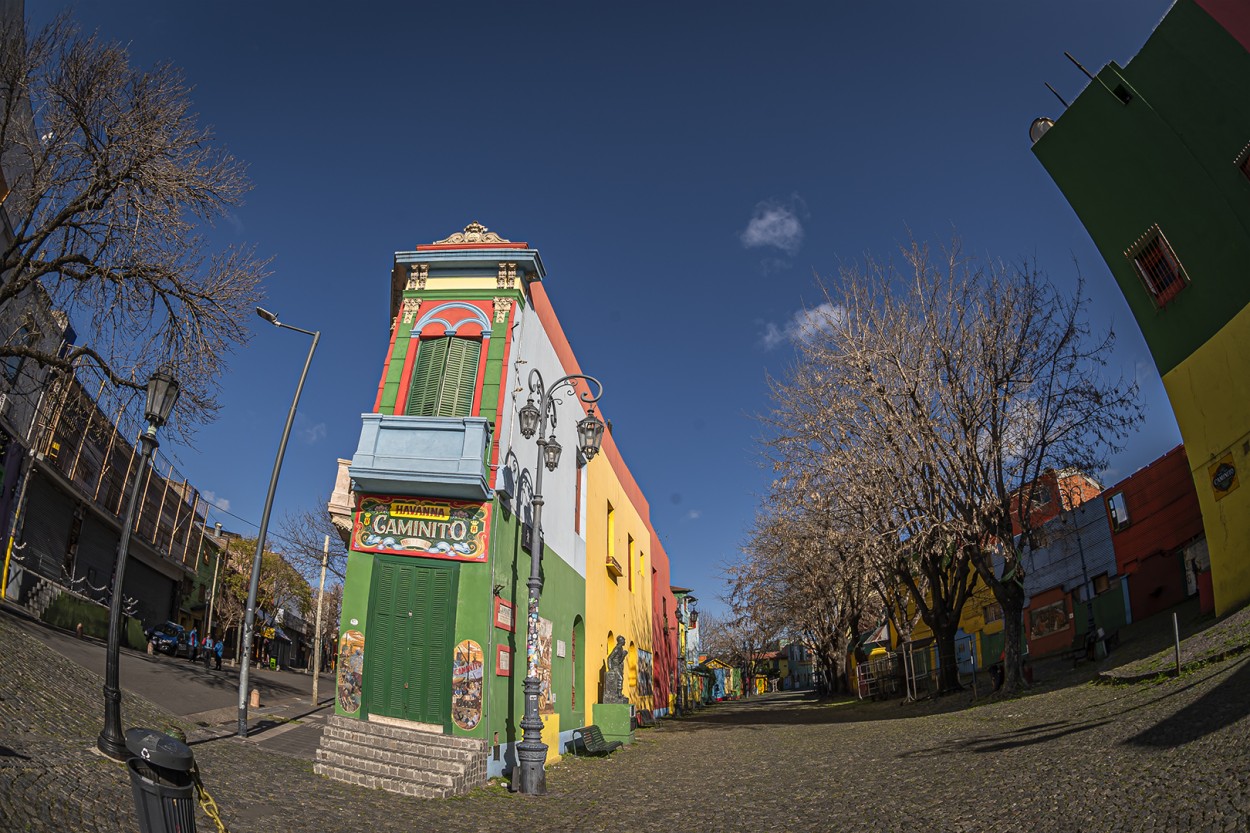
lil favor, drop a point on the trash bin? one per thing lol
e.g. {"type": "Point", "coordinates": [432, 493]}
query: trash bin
{"type": "Point", "coordinates": [160, 778]}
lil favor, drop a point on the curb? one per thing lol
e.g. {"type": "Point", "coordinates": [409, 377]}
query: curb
{"type": "Point", "coordinates": [1112, 678]}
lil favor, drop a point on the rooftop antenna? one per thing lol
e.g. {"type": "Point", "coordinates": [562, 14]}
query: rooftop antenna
{"type": "Point", "coordinates": [1078, 65]}
{"type": "Point", "coordinates": [1052, 89]}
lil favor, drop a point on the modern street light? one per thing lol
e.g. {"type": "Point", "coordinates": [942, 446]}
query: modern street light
{"type": "Point", "coordinates": [249, 617]}
{"type": "Point", "coordinates": [531, 777]}
{"type": "Point", "coordinates": [162, 394]}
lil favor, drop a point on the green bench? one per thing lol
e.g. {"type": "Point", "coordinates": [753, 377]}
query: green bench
{"type": "Point", "coordinates": [590, 740]}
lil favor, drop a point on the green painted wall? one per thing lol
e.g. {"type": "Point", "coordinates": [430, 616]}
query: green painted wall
{"type": "Point", "coordinates": [1166, 157]}
{"type": "Point", "coordinates": [563, 600]}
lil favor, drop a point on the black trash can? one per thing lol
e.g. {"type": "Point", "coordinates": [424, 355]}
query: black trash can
{"type": "Point", "coordinates": [160, 778]}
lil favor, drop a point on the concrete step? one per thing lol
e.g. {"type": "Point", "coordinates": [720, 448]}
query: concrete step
{"type": "Point", "coordinates": [422, 746]}
{"type": "Point", "coordinates": [402, 733]}
{"type": "Point", "coordinates": [413, 757]}
{"type": "Point", "coordinates": [389, 769]}
{"type": "Point", "coordinates": [351, 775]}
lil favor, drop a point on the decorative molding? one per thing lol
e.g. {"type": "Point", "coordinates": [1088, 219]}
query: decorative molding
{"type": "Point", "coordinates": [409, 309]}
{"type": "Point", "coordinates": [506, 279]}
{"type": "Point", "coordinates": [503, 306]}
{"type": "Point", "coordinates": [418, 274]}
{"type": "Point", "coordinates": [473, 233]}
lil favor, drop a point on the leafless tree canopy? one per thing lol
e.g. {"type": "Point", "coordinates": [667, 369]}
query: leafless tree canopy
{"type": "Point", "coordinates": [923, 407]}
{"type": "Point", "coordinates": [112, 183]}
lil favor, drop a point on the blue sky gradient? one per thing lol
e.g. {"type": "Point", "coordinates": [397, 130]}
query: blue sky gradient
{"type": "Point", "coordinates": [684, 168]}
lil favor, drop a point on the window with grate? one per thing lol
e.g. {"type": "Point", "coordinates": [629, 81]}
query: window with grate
{"type": "Point", "coordinates": [444, 377]}
{"type": "Point", "coordinates": [1161, 273]}
{"type": "Point", "coordinates": [1118, 511]}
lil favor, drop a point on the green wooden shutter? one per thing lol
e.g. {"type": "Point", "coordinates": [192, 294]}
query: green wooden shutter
{"type": "Point", "coordinates": [378, 640]}
{"type": "Point", "coordinates": [459, 378]}
{"type": "Point", "coordinates": [436, 696]}
{"type": "Point", "coordinates": [400, 652]}
{"type": "Point", "coordinates": [427, 377]}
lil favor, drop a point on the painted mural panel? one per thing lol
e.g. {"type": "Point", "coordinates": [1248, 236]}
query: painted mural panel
{"type": "Point", "coordinates": [426, 527]}
{"type": "Point", "coordinates": [546, 694]}
{"type": "Point", "coordinates": [646, 673]}
{"type": "Point", "coordinates": [351, 666]}
{"type": "Point", "coordinates": [466, 685]}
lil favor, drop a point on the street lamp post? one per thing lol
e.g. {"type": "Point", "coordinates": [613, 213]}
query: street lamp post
{"type": "Point", "coordinates": [249, 616]}
{"type": "Point", "coordinates": [162, 394]}
{"type": "Point", "coordinates": [531, 778]}
{"type": "Point", "coordinates": [1091, 627]}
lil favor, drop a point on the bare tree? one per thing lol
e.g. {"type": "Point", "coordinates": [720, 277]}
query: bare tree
{"type": "Point", "coordinates": [303, 534]}
{"type": "Point", "coordinates": [112, 185]}
{"type": "Point", "coordinates": [931, 401]}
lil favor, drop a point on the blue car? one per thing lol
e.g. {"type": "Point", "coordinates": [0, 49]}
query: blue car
{"type": "Point", "coordinates": [170, 638]}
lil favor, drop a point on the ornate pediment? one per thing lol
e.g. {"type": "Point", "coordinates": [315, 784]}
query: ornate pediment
{"type": "Point", "coordinates": [473, 233]}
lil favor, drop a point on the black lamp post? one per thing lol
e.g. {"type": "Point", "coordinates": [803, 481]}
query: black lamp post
{"type": "Point", "coordinates": [249, 617]}
{"type": "Point", "coordinates": [531, 777]}
{"type": "Point", "coordinates": [1072, 495]}
{"type": "Point", "coordinates": [162, 394]}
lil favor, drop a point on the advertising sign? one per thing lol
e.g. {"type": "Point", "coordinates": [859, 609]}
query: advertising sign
{"type": "Point", "coordinates": [422, 526]}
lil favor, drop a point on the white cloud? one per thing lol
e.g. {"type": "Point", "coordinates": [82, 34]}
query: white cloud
{"type": "Point", "coordinates": [220, 503]}
{"type": "Point", "coordinates": [310, 434]}
{"type": "Point", "coordinates": [776, 225]}
{"type": "Point", "coordinates": [802, 325]}
{"type": "Point", "coordinates": [694, 515]}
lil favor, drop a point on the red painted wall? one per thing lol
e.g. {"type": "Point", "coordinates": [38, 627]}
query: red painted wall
{"type": "Point", "coordinates": [1233, 15]}
{"type": "Point", "coordinates": [1163, 516]}
{"type": "Point", "coordinates": [1052, 643]}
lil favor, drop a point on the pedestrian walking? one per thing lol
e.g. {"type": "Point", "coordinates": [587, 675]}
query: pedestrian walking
{"type": "Point", "coordinates": [208, 650]}
{"type": "Point", "coordinates": [194, 643]}
{"type": "Point", "coordinates": [217, 651]}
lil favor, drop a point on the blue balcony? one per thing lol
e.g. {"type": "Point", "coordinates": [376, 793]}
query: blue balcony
{"type": "Point", "coordinates": [427, 456]}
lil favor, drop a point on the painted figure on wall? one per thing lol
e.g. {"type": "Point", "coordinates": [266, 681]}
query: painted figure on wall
{"type": "Point", "coordinates": [615, 678]}
{"type": "Point", "coordinates": [351, 666]}
{"type": "Point", "coordinates": [466, 685]}
{"type": "Point", "coordinates": [546, 694]}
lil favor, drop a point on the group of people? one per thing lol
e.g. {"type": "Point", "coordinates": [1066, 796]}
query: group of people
{"type": "Point", "coordinates": [208, 649]}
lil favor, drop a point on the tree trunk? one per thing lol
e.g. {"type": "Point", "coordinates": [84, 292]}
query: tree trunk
{"type": "Point", "coordinates": [948, 668]}
{"type": "Point", "coordinates": [1011, 598]}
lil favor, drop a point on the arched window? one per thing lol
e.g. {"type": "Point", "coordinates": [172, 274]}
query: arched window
{"type": "Point", "coordinates": [444, 377]}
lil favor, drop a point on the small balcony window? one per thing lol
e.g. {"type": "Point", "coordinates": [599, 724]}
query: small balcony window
{"type": "Point", "coordinates": [1118, 511]}
{"type": "Point", "coordinates": [1157, 266]}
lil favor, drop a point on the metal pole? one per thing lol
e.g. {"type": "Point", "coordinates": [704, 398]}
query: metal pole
{"type": "Point", "coordinates": [321, 596]}
{"type": "Point", "coordinates": [531, 751]}
{"type": "Point", "coordinates": [1176, 633]}
{"type": "Point", "coordinates": [110, 741]}
{"type": "Point", "coordinates": [212, 595]}
{"type": "Point", "coordinates": [250, 615]}
{"type": "Point", "coordinates": [530, 778]}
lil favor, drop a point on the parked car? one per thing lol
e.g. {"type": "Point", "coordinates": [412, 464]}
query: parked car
{"type": "Point", "coordinates": [170, 638]}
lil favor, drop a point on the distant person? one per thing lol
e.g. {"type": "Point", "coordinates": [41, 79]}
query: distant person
{"type": "Point", "coordinates": [218, 649]}
{"type": "Point", "coordinates": [208, 650]}
{"type": "Point", "coordinates": [194, 643]}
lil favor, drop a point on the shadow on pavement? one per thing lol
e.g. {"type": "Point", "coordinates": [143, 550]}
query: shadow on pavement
{"type": "Point", "coordinates": [1220, 707]}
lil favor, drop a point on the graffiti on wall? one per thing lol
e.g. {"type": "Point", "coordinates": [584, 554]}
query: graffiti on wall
{"type": "Point", "coordinates": [645, 672]}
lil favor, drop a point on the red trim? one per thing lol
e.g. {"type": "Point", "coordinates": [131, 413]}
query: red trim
{"type": "Point", "coordinates": [503, 385]}
{"type": "Point", "coordinates": [483, 350]}
{"type": "Point", "coordinates": [444, 246]}
{"type": "Point", "coordinates": [510, 624]}
{"type": "Point", "coordinates": [500, 652]}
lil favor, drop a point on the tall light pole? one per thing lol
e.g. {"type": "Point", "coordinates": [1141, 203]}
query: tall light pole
{"type": "Point", "coordinates": [531, 777]}
{"type": "Point", "coordinates": [1072, 493]}
{"type": "Point", "coordinates": [249, 616]}
{"type": "Point", "coordinates": [321, 595]}
{"type": "Point", "coordinates": [162, 394]}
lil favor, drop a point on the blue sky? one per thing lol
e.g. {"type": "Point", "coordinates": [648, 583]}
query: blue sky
{"type": "Point", "coordinates": [684, 168]}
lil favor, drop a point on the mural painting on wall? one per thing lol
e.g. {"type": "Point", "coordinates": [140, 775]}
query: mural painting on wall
{"type": "Point", "coordinates": [466, 685]}
{"type": "Point", "coordinates": [426, 527]}
{"type": "Point", "coordinates": [546, 695]}
{"type": "Point", "coordinates": [1048, 619]}
{"type": "Point", "coordinates": [351, 666]}
{"type": "Point", "coordinates": [645, 672]}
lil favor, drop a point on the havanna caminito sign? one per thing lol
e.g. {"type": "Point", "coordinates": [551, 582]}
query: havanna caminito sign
{"type": "Point", "coordinates": [427, 527]}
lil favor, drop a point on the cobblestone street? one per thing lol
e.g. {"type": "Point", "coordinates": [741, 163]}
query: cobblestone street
{"type": "Point", "coordinates": [1155, 756]}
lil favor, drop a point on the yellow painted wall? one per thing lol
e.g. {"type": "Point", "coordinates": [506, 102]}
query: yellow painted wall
{"type": "Point", "coordinates": [971, 619]}
{"type": "Point", "coordinates": [611, 606]}
{"type": "Point", "coordinates": [1210, 395]}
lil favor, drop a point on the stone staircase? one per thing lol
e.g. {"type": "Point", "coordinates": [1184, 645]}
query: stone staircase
{"type": "Point", "coordinates": [400, 760]}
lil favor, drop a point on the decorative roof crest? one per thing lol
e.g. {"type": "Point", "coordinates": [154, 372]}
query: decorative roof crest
{"type": "Point", "coordinates": [473, 233]}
